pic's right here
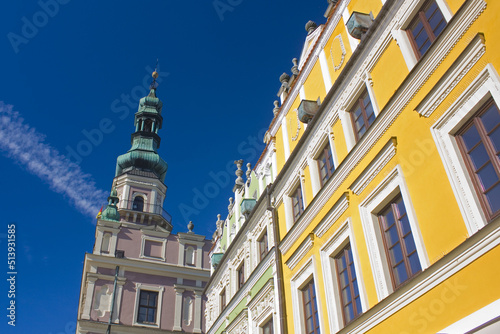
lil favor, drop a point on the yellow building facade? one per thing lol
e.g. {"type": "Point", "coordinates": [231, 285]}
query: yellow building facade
{"type": "Point", "coordinates": [385, 147]}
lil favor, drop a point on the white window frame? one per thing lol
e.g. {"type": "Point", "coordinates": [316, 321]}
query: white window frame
{"type": "Point", "coordinates": [391, 186]}
{"type": "Point", "coordinates": [300, 279]}
{"type": "Point", "coordinates": [163, 241]}
{"type": "Point", "coordinates": [332, 247]}
{"type": "Point", "coordinates": [155, 288]}
{"type": "Point", "coordinates": [287, 200]}
{"type": "Point", "coordinates": [319, 142]}
{"type": "Point", "coordinates": [406, 14]}
{"type": "Point", "coordinates": [350, 101]}
{"type": "Point", "coordinates": [484, 86]}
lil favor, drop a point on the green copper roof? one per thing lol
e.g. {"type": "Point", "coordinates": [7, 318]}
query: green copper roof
{"type": "Point", "coordinates": [111, 211]}
{"type": "Point", "coordinates": [145, 142]}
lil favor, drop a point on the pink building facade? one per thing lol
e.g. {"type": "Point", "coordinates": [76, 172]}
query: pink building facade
{"type": "Point", "coordinates": [140, 277]}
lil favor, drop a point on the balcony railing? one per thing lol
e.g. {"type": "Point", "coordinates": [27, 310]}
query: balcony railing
{"type": "Point", "coordinates": [145, 208]}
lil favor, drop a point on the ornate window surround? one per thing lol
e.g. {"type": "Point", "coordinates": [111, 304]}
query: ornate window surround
{"type": "Point", "coordinates": [343, 236]}
{"type": "Point", "coordinates": [262, 307]}
{"type": "Point", "coordinates": [156, 288]}
{"type": "Point", "coordinates": [355, 89]}
{"type": "Point", "coordinates": [484, 86]}
{"type": "Point", "coordinates": [163, 241]}
{"type": "Point", "coordinates": [405, 15]}
{"type": "Point", "coordinates": [392, 185]}
{"type": "Point", "coordinates": [303, 276]}
{"type": "Point", "coordinates": [321, 139]}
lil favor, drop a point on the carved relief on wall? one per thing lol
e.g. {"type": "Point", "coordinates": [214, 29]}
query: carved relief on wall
{"type": "Point", "coordinates": [337, 52]}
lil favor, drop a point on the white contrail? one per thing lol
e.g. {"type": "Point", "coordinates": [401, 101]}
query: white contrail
{"type": "Point", "coordinates": [26, 147]}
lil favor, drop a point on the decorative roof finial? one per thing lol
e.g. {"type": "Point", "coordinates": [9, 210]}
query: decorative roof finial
{"type": "Point", "coordinates": [239, 180]}
{"type": "Point", "coordinates": [311, 26]}
{"type": "Point", "coordinates": [276, 108]}
{"type": "Point", "coordinates": [248, 172]}
{"type": "Point", "coordinates": [295, 67]}
{"type": "Point", "coordinates": [155, 76]}
{"type": "Point", "coordinates": [190, 227]}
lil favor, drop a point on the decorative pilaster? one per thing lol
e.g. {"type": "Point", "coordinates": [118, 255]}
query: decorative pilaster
{"type": "Point", "coordinates": [197, 311]}
{"type": "Point", "coordinates": [178, 309]}
{"type": "Point", "coordinates": [89, 296]}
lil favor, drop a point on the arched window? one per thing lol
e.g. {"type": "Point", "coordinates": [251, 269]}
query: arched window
{"type": "Point", "coordinates": [190, 256]}
{"type": "Point", "coordinates": [148, 125]}
{"type": "Point", "coordinates": [138, 204]}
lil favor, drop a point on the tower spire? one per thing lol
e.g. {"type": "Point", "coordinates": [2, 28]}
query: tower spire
{"type": "Point", "coordinates": [143, 155]}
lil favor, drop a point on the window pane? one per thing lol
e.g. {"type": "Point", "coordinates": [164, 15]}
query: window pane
{"type": "Point", "coordinates": [349, 311]}
{"type": "Point", "coordinates": [410, 244]}
{"type": "Point", "coordinates": [392, 236]}
{"type": "Point", "coordinates": [495, 139]}
{"type": "Point", "coordinates": [479, 156]}
{"type": "Point", "coordinates": [400, 274]}
{"type": "Point", "coordinates": [487, 176]}
{"type": "Point", "coordinates": [471, 137]}
{"type": "Point", "coordinates": [405, 225]}
{"type": "Point", "coordinates": [414, 263]}
{"type": "Point", "coordinates": [346, 295]}
{"type": "Point", "coordinates": [490, 118]}
{"type": "Point", "coordinates": [396, 254]}
{"type": "Point", "coordinates": [493, 197]}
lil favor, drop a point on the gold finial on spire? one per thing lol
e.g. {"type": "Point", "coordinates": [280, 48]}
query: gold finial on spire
{"type": "Point", "coordinates": [155, 75]}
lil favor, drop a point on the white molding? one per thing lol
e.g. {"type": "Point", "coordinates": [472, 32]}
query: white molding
{"type": "Point", "coordinates": [332, 216]}
{"type": "Point", "coordinates": [149, 267]}
{"type": "Point", "coordinates": [262, 305]}
{"type": "Point", "coordinates": [374, 168]}
{"type": "Point", "coordinates": [476, 319]}
{"type": "Point", "coordinates": [342, 49]}
{"type": "Point", "coordinates": [474, 51]}
{"type": "Point", "coordinates": [392, 185]}
{"type": "Point", "coordinates": [286, 143]}
{"type": "Point", "coordinates": [486, 84]}
{"type": "Point", "coordinates": [300, 252]}
{"type": "Point", "coordinates": [453, 266]}
{"type": "Point", "coordinates": [240, 324]}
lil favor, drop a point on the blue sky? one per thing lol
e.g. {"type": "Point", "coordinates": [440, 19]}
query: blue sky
{"type": "Point", "coordinates": [76, 70]}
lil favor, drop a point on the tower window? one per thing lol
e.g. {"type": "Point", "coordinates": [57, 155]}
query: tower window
{"type": "Point", "coordinates": [138, 204]}
{"type": "Point", "coordinates": [148, 125]}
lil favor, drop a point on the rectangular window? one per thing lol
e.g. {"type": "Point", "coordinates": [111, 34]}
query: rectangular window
{"type": "Point", "coordinates": [297, 203]}
{"type": "Point", "coordinates": [362, 115]}
{"type": "Point", "coordinates": [428, 23]}
{"type": "Point", "coordinates": [241, 275]}
{"type": "Point", "coordinates": [479, 142]}
{"type": "Point", "coordinates": [263, 247]}
{"type": "Point", "coordinates": [311, 316]}
{"type": "Point", "coordinates": [148, 301]}
{"type": "Point", "coordinates": [398, 241]}
{"type": "Point", "coordinates": [267, 328]}
{"type": "Point", "coordinates": [325, 164]}
{"type": "Point", "coordinates": [348, 285]}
